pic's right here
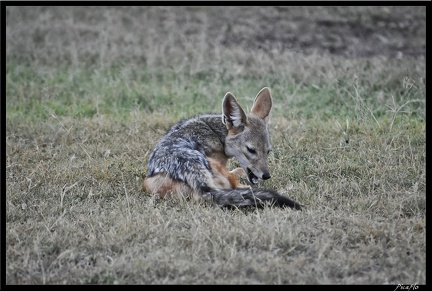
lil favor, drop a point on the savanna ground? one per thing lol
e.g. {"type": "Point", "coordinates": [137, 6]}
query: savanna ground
{"type": "Point", "coordinates": [89, 91]}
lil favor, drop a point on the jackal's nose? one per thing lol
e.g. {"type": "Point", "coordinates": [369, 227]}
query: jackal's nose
{"type": "Point", "coordinates": [266, 176]}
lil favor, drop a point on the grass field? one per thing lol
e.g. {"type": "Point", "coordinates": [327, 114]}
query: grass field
{"type": "Point", "coordinates": [89, 91]}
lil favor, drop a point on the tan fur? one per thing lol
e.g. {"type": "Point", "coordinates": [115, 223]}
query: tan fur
{"type": "Point", "coordinates": [165, 186]}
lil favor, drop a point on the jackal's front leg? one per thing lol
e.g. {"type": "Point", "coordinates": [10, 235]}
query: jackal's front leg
{"type": "Point", "coordinates": [239, 172]}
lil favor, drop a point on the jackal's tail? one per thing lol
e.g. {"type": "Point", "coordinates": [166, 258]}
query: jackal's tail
{"type": "Point", "coordinates": [248, 197]}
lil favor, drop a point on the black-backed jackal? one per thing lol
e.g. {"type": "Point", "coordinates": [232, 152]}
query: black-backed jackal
{"type": "Point", "coordinates": [190, 160]}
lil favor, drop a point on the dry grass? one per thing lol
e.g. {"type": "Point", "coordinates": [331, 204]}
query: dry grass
{"type": "Point", "coordinates": [90, 90]}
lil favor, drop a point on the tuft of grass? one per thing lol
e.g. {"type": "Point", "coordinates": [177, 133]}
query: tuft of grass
{"type": "Point", "coordinates": [89, 91]}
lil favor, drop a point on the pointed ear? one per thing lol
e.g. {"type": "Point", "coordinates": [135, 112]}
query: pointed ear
{"type": "Point", "coordinates": [233, 115]}
{"type": "Point", "coordinates": [263, 104]}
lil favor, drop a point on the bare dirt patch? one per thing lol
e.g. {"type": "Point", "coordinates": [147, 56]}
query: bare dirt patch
{"type": "Point", "coordinates": [346, 31]}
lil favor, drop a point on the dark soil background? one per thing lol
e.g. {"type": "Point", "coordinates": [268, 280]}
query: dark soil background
{"type": "Point", "coordinates": [348, 31]}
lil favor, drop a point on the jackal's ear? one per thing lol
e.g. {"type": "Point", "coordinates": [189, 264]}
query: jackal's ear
{"type": "Point", "coordinates": [263, 104]}
{"type": "Point", "coordinates": [233, 115]}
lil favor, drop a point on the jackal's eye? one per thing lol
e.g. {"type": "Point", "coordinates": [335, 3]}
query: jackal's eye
{"type": "Point", "coordinates": [252, 151]}
{"type": "Point", "coordinates": [268, 152]}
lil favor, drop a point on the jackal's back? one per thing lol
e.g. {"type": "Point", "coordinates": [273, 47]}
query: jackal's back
{"type": "Point", "coordinates": [182, 152]}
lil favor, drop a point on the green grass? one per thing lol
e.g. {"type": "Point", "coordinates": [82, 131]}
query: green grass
{"type": "Point", "coordinates": [87, 100]}
{"type": "Point", "coordinates": [83, 93]}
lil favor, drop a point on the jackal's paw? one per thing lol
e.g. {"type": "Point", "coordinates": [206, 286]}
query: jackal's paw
{"type": "Point", "coordinates": [239, 172]}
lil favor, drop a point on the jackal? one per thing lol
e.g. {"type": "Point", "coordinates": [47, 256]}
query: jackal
{"type": "Point", "coordinates": [191, 159]}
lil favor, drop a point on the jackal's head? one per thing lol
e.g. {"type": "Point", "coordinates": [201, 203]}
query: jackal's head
{"type": "Point", "coordinates": [248, 137]}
